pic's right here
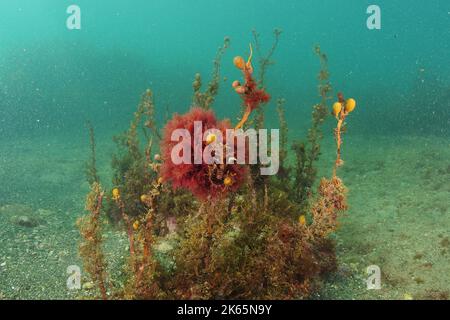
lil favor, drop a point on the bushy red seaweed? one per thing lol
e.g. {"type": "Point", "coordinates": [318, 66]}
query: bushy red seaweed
{"type": "Point", "coordinates": [203, 180]}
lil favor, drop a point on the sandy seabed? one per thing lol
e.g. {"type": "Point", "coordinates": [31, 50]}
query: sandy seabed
{"type": "Point", "coordinates": [399, 216]}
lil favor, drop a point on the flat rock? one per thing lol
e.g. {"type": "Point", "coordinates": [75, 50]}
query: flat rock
{"type": "Point", "coordinates": [23, 215]}
{"type": "Point", "coordinates": [25, 221]}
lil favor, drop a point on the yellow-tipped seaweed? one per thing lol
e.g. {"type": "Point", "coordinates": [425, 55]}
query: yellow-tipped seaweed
{"type": "Point", "coordinates": [341, 113]}
{"type": "Point", "coordinates": [209, 232]}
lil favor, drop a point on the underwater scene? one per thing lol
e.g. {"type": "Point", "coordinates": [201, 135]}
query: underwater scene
{"type": "Point", "coordinates": [223, 150]}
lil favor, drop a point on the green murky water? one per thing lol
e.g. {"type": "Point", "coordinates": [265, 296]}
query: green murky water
{"type": "Point", "coordinates": [397, 148]}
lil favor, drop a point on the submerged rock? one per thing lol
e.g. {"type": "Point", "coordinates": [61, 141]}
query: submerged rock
{"type": "Point", "coordinates": [25, 221]}
{"type": "Point", "coordinates": [21, 215]}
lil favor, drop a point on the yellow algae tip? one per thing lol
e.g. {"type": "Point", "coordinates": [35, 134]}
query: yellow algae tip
{"type": "Point", "coordinates": [211, 138]}
{"type": "Point", "coordinates": [350, 105]}
{"type": "Point", "coordinates": [136, 225]}
{"type": "Point", "coordinates": [228, 181]}
{"type": "Point", "coordinates": [302, 220]}
{"type": "Point", "coordinates": [239, 62]}
{"type": "Point", "coordinates": [115, 193]}
{"type": "Point", "coordinates": [337, 108]}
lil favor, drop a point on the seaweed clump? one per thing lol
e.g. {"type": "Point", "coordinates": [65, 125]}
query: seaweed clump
{"type": "Point", "coordinates": [212, 230]}
{"type": "Point", "coordinates": [206, 99]}
{"type": "Point", "coordinates": [132, 164]}
{"type": "Point", "coordinates": [91, 250]}
{"type": "Point", "coordinates": [203, 180]}
{"type": "Point", "coordinates": [341, 109]}
{"type": "Point", "coordinates": [307, 153]}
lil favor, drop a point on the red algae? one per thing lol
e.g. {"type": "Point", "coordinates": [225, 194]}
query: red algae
{"type": "Point", "coordinates": [252, 96]}
{"type": "Point", "coordinates": [203, 180]}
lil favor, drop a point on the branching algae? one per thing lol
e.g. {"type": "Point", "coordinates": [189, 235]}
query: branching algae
{"type": "Point", "coordinates": [218, 231]}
